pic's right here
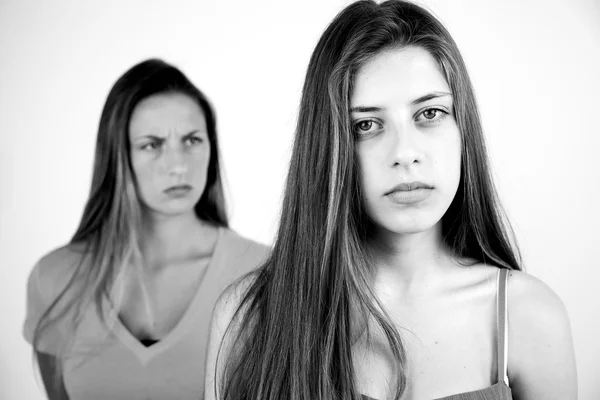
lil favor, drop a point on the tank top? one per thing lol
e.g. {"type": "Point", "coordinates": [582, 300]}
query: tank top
{"type": "Point", "coordinates": [500, 390]}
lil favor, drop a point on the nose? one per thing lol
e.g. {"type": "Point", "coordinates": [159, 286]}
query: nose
{"type": "Point", "coordinates": [404, 149]}
{"type": "Point", "coordinates": [175, 162]}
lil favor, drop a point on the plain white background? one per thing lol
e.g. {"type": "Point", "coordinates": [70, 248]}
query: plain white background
{"type": "Point", "coordinates": [535, 65]}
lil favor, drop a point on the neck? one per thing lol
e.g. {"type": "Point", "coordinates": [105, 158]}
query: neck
{"type": "Point", "coordinates": [169, 238]}
{"type": "Point", "coordinates": [409, 264]}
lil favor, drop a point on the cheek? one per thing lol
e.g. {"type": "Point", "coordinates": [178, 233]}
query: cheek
{"type": "Point", "coordinates": [370, 175]}
{"type": "Point", "coordinates": [198, 163]}
{"type": "Point", "coordinates": [448, 162]}
{"type": "Point", "coordinates": [202, 158]}
{"type": "Point", "coordinates": [145, 171]}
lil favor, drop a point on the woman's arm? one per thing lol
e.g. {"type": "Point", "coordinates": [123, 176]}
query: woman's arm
{"type": "Point", "coordinates": [55, 388]}
{"type": "Point", "coordinates": [221, 335]}
{"type": "Point", "coordinates": [541, 357]}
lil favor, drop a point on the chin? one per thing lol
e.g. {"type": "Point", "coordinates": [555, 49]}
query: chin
{"type": "Point", "coordinates": [407, 229]}
{"type": "Point", "coordinates": [175, 207]}
{"type": "Point", "coordinates": [408, 220]}
{"type": "Point", "coordinates": [173, 212]}
{"type": "Point", "coordinates": [408, 224]}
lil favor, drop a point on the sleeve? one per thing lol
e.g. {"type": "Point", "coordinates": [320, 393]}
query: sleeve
{"type": "Point", "coordinates": [36, 305]}
{"type": "Point", "coordinates": [51, 338]}
{"type": "Point", "coordinates": [240, 257]}
{"type": "Point", "coordinates": [254, 256]}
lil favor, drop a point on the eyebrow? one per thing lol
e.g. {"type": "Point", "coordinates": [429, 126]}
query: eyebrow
{"type": "Point", "coordinates": [366, 109]}
{"type": "Point", "coordinates": [154, 137]}
{"type": "Point", "coordinates": [192, 133]}
{"type": "Point", "coordinates": [430, 96]}
{"type": "Point", "coordinates": [422, 99]}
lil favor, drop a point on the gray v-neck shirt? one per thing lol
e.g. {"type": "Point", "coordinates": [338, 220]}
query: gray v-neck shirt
{"type": "Point", "coordinates": [121, 367]}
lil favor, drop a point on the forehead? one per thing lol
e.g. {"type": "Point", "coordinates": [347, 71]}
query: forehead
{"type": "Point", "coordinates": [167, 113]}
{"type": "Point", "coordinates": [398, 75]}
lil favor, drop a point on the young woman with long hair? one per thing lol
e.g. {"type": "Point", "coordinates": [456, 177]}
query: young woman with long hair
{"type": "Point", "coordinates": [123, 310]}
{"type": "Point", "coordinates": [394, 274]}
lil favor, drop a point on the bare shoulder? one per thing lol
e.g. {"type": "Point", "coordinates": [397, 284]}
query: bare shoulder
{"type": "Point", "coordinates": [541, 361]}
{"type": "Point", "coordinates": [528, 296]}
{"type": "Point", "coordinates": [533, 304]}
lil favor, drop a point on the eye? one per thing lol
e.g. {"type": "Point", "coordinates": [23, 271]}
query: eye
{"type": "Point", "coordinates": [195, 140]}
{"type": "Point", "coordinates": [366, 126]}
{"type": "Point", "coordinates": [432, 115]}
{"type": "Point", "coordinates": [150, 146]}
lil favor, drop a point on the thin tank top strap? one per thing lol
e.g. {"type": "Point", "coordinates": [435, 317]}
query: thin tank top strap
{"type": "Point", "coordinates": [502, 322]}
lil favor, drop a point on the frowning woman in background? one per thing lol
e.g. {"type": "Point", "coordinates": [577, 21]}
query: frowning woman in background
{"type": "Point", "coordinates": [122, 311]}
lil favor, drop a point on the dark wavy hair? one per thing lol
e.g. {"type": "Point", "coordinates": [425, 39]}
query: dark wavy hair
{"type": "Point", "coordinates": [297, 321]}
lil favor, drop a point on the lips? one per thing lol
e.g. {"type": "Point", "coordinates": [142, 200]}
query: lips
{"type": "Point", "coordinates": [178, 189]}
{"type": "Point", "coordinates": [409, 193]}
{"type": "Point", "coordinates": [407, 187]}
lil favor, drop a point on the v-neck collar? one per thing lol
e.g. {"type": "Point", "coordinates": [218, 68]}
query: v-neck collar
{"type": "Point", "coordinates": [146, 354]}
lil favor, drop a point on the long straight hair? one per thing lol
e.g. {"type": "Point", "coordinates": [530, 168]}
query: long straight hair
{"type": "Point", "coordinates": [109, 231]}
{"type": "Point", "coordinates": [295, 326]}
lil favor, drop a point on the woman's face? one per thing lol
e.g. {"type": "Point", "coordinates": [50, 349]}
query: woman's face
{"type": "Point", "coordinates": [170, 152]}
{"type": "Point", "coordinates": [407, 140]}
